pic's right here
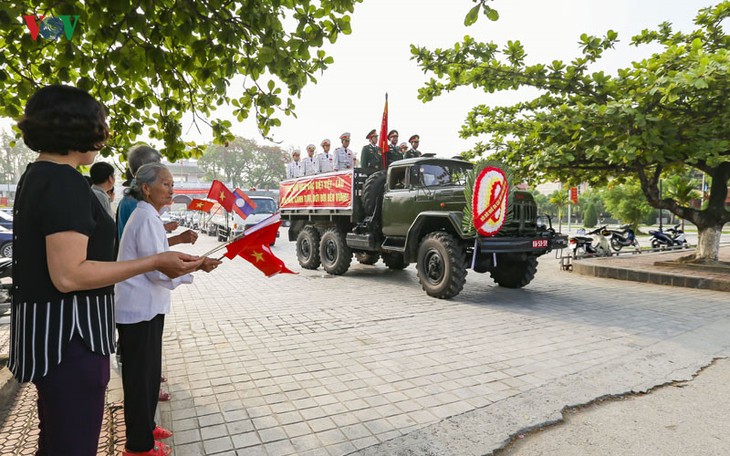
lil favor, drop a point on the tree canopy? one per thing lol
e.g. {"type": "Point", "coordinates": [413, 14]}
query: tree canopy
{"type": "Point", "coordinates": [151, 61]}
{"type": "Point", "coordinates": [245, 164]}
{"type": "Point", "coordinates": [653, 118]}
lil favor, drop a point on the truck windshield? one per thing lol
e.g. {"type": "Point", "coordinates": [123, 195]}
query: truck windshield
{"type": "Point", "coordinates": [440, 175]}
{"type": "Point", "coordinates": [264, 206]}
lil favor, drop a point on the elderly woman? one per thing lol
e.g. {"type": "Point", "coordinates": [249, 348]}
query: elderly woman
{"type": "Point", "coordinates": [142, 303]}
{"type": "Point", "coordinates": [62, 324]}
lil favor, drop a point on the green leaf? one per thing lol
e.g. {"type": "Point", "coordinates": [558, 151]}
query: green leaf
{"type": "Point", "coordinates": [472, 16]}
{"type": "Point", "coordinates": [491, 13]}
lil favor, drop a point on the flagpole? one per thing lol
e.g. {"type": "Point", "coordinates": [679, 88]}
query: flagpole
{"type": "Point", "coordinates": [223, 245]}
{"type": "Point", "coordinates": [212, 215]}
{"type": "Point", "coordinates": [267, 221]}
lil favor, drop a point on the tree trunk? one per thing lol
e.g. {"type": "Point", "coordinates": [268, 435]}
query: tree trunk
{"type": "Point", "coordinates": [708, 245]}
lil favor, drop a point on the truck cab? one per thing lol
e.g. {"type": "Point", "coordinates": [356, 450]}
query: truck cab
{"type": "Point", "coordinates": [417, 185]}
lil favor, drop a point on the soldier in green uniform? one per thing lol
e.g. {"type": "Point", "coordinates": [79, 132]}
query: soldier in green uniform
{"type": "Point", "coordinates": [413, 152]}
{"type": "Point", "coordinates": [393, 153]}
{"type": "Point", "coordinates": [370, 157]}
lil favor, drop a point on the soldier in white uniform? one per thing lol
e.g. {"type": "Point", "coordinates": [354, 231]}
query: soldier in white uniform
{"type": "Point", "coordinates": [309, 163]}
{"type": "Point", "coordinates": [344, 158]}
{"type": "Point", "coordinates": [295, 167]}
{"type": "Point", "coordinates": [325, 160]}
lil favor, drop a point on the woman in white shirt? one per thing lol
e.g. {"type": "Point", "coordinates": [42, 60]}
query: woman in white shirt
{"type": "Point", "coordinates": [141, 304]}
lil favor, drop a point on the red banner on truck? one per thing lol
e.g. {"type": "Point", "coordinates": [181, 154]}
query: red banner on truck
{"type": "Point", "coordinates": [323, 191]}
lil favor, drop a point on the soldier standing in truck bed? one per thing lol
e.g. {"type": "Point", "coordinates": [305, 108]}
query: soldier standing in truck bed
{"type": "Point", "coordinates": [309, 163]}
{"type": "Point", "coordinates": [295, 167]}
{"type": "Point", "coordinates": [393, 153]}
{"type": "Point", "coordinates": [413, 152]}
{"type": "Point", "coordinates": [325, 160]}
{"type": "Point", "coordinates": [370, 157]}
{"type": "Point", "coordinates": [344, 158]}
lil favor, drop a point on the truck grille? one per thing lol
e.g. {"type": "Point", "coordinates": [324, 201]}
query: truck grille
{"type": "Point", "coordinates": [521, 219]}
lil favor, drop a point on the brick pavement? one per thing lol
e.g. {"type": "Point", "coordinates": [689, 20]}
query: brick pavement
{"type": "Point", "coordinates": [318, 365]}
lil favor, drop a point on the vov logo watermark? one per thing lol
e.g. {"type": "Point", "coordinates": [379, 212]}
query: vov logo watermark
{"type": "Point", "coordinates": [51, 28]}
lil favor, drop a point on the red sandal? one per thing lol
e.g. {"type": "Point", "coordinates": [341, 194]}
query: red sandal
{"type": "Point", "coordinates": [164, 397]}
{"type": "Point", "coordinates": [161, 433]}
{"type": "Point", "coordinates": [160, 449]}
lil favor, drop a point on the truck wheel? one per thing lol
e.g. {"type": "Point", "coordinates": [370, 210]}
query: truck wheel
{"type": "Point", "coordinates": [440, 265]}
{"type": "Point", "coordinates": [308, 248]}
{"type": "Point", "coordinates": [395, 261]}
{"type": "Point", "coordinates": [372, 191]}
{"type": "Point", "coordinates": [514, 274]}
{"type": "Point", "coordinates": [367, 257]}
{"type": "Point", "coordinates": [334, 253]}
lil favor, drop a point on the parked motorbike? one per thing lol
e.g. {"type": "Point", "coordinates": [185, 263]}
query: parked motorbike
{"type": "Point", "coordinates": [672, 238]}
{"type": "Point", "coordinates": [624, 237]}
{"type": "Point", "coordinates": [588, 246]}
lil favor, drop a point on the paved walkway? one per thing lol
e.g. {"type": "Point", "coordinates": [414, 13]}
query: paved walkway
{"type": "Point", "coordinates": [367, 364]}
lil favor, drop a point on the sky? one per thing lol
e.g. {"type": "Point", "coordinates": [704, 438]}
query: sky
{"type": "Point", "coordinates": [375, 59]}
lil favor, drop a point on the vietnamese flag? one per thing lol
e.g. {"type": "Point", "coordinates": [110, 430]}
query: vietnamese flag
{"type": "Point", "coordinates": [200, 205]}
{"type": "Point", "coordinates": [383, 139]}
{"type": "Point", "coordinates": [242, 204]}
{"type": "Point", "coordinates": [254, 247]}
{"type": "Point", "coordinates": [219, 192]}
{"type": "Point", "coordinates": [266, 235]}
{"type": "Point", "coordinates": [264, 259]}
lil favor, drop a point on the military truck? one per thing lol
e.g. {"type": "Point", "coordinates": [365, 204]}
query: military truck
{"type": "Point", "coordinates": [411, 214]}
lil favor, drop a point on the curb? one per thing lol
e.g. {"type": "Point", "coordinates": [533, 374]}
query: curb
{"type": "Point", "coordinates": [658, 278]}
{"type": "Point", "coordinates": [8, 386]}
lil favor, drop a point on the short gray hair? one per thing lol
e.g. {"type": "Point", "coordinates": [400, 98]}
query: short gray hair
{"type": "Point", "coordinates": [137, 156]}
{"type": "Point", "coordinates": [146, 174]}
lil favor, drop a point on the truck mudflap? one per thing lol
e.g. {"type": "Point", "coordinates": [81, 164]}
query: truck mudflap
{"type": "Point", "coordinates": [537, 245]}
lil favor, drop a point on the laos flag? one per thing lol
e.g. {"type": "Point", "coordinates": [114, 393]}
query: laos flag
{"type": "Point", "coordinates": [242, 204]}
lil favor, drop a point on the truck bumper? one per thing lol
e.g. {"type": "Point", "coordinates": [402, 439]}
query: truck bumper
{"type": "Point", "coordinates": [534, 245]}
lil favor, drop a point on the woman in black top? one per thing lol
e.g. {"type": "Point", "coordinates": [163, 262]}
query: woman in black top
{"type": "Point", "coordinates": [62, 318]}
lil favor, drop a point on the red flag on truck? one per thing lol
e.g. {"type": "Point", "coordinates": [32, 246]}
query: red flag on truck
{"type": "Point", "coordinates": [383, 139]}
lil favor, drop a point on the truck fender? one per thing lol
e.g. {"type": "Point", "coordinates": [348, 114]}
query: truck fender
{"type": "Point", "coordinates": [429, 221]}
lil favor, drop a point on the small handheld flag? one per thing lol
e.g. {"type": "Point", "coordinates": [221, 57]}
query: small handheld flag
{"type": "Point", "coordinates": [219, 192]}
{"type": "Point", "coordinates": [242, 204]}
{"type": "Point", "coordinates": [200, 205]}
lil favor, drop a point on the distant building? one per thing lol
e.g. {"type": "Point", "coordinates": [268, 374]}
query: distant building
{"type": "Point", "coordinates": [186, 171]}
